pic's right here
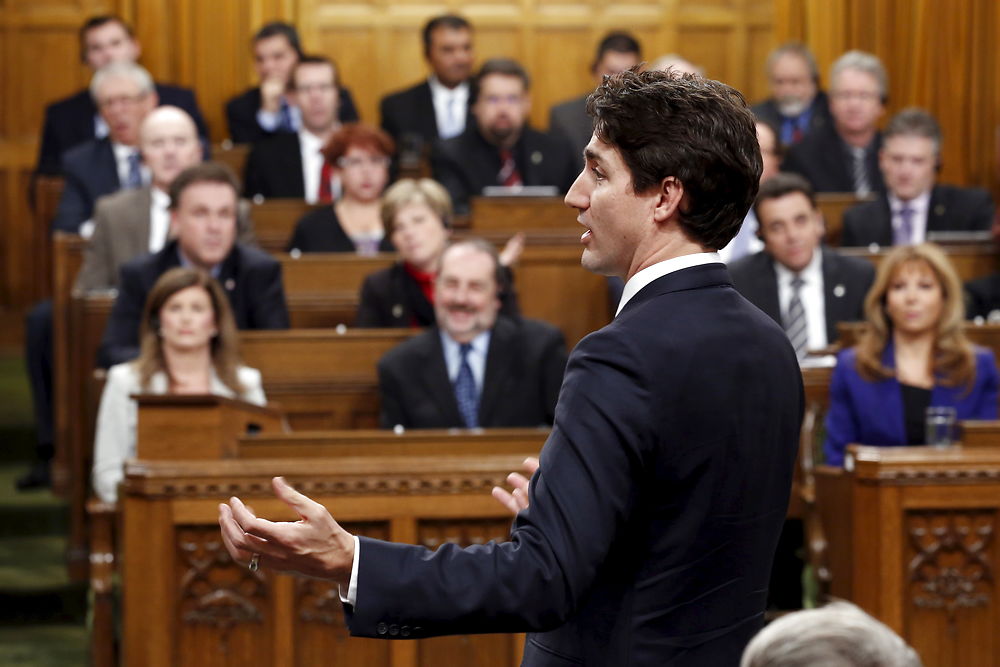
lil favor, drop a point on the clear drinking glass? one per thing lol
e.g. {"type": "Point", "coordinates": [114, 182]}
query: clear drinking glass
{"type": "Point", "coordinates": [940, 426]}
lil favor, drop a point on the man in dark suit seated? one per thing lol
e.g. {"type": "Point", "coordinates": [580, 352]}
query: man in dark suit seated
{"type": "Point", "coordinates": [292, 164]}
{"type": "Point", "coordinates": [797, 106]}
{"type": "Point", "coordinates": [203, 204]}
{"type": "Point", "coordinates": [800, 284]}
{"type": "Point", "coordinates": [617, 52]}
{"type": "Point", "coordinates": [75, 119]}
{"type": "Point", "coordinates": [842, 156]}
{"type": "Point", "coordinates": [500, 148]}
{"type": "Point", "coordinates": [648, 530]}
{"type": "Point", "coordinates": [265, 109]}
{"type": "Point", "coordinates": [474, 369]}
{"type": "Point", "coordinates": [124, 93]}
{"type": "Point", "coordinates": [914, 207]}
{"type": "Point", "coordinates": [437, 108]}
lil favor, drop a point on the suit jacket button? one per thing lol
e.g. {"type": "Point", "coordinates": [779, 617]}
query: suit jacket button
{"type": "Point", "coordinates": [404, 631]}
{"type": "Point", "coordinates": [381, 628]}
{"type": "Point", "coordinates": [393, 630]}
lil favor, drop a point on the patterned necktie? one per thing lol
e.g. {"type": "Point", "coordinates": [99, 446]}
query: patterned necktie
{"type": "Point", "coordinates": [861, 186]}
{"type": "Point", "coordinates": [465, 389]}
{"type": "Point", "coordinates": [508, 175]}
{"type": "Point", "coordinates": [134, 171]}
{"type": "Point", "coordinates": [285, 117]}
{"type": "Point", "coordinates": [795, 320]}
{"type": "Point", "coordinates": [904, 233]}
{"type": "Point", "coordinates": [325, 192]}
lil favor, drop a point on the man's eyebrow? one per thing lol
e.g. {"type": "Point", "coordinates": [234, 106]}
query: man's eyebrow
{"type": "Point", "coordinates": [591, 154]}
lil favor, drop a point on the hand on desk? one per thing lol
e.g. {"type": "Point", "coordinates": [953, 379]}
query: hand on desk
{"type": "Point", "coordinates": [315, 545]}
{"type": "Point", "coordinates": [517, 499]}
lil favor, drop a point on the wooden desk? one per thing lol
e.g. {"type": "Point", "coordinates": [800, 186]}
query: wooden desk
{"type": "Point", "coordinates": [274, 221]}
{"type": "Point", "coordinates": [521, 214]}
{"type": "Point", "coordinates": [832, 205]}
{"type": "Point", "coordinates": [970, 260]}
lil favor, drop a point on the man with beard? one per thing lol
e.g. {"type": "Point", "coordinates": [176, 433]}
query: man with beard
{"type": "Point", "coordinates": [797, 106]}
{"type": "Point", "coordinates": [500, 149]}
{"type": "Point", "coordinates": [474, 369]}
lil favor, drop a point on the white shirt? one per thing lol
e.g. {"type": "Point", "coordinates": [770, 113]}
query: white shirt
{"type": "Point", "coordinates": [312, 163]}
{"type": "Point", "coordinates": [918, 221]}
{"type": "Point", "coordinates": [746, 242]}
{"type": "Point", "coordinates": [159, 219]}
{"type": "Point", "coordinates": [660, 269]}
{"type": "Point", "coordinates": [476, 357]}
{"type": "Point", "coordinates": [811, 294]}
{"type": "Point", "coordinates": [450, 107]}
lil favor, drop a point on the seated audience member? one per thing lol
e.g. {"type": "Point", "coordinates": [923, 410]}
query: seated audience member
{"type": "Point", "coordinates": [292, 164]}
{"type": "Point", "coordinates": [914, 206]}
{"type": "Point", "coordinates": [747, 241]}
{"type": "Point", "coordinates": [913, 355]}
{"type": "Point", "coordinates": [265, 110]}
{"type": "Point", "coordinates": [802, 285]}
{"type": "Point", "coordinates": [189, 346]}
{"type": "Point", "coordinates": [133, 222]}
{"type": "Point", "coordinates": [417, 217]}
{"type": "Point", "coordinates": [474, 369]}
{"type": "Point", "coordinates": [359, 156]}
{"type": "Point", "coordinates": [75, 119]}
{"type": "Point", "coordinates": [837, 635]}
{"type": "Point", "coordinates": [617, 52]}
{"type": "Point", "coordinates": [797, 106]}
{"type": "Point", "coordinates": [438, 107]}
{"type": "Point", "coordinates": [842, 156]}
{"type": "Point", "coordinates": [678, 63]}
{"type": "Point", "coordinates": [982, 299]}
{"type": "Point", "coordinates": [203, 204]}
{"type": "Point", "coordinates": [500, 148]}
{"type": "Point", "coordinates": [124, 93]}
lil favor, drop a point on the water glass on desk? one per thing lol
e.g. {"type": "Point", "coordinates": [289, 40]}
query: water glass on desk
{"type": "Point", "coordinates": [941, 426]}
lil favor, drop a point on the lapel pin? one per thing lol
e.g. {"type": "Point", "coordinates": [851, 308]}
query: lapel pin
{"type": "Point", "coordinates": [230, 284]}
{"type": "Point", "coordinates": [397, 310]}
{"type": "Point", "coordinates": [838, 291]}
{"type": "Point", "coordinates": [536, 157]}
{"type": "Point", "coordinates": [939, 209]}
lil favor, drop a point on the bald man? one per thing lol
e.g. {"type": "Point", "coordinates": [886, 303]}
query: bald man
{"type": "Point", "coordinates": [133, 222]}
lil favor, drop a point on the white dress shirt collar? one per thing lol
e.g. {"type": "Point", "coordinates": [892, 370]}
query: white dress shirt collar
{"type": "Point", "coordinates": [159, 218]}
{"type": "Point", "coordinates": [660, 269]}
{"type": "Point", "coordinates": [450, 107]}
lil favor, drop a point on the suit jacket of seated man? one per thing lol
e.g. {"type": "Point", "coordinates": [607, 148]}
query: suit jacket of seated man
{"type": "Point", "coordinates": [982, 297]}
{"type": "Point", "coordinates": [951, 209]}
{"type": "Point", "coordinates": [250, 277]}
{"type": "Point", "coordinates": [819, 117]}
{"type": "Point", "coordinates": [651, 532]}
{"type": "Point", "coordinates": [70, 122]}
{"type": "Point", "coordinates": [466, 164]}
{"type": "Point", "coordinates": [241, 115]}
{"type": "Point", "coordinates": [823, 158]}
{"type": "Point", "coordinates": [570, 119]}
{"type": "Point", "coordinates": [410, 112]}
{"type": "Point", "coordinates": [121, 233]}
{"type": "Point", "coordinates": [846, 281]}
{"type": "Point", "coordinates": [524, 368]}
{"type": "Point", "coordinates": [90, 172]}
{"type": "Point", "coordinates": [274, 168]}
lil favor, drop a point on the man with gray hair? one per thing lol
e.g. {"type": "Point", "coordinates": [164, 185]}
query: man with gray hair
{"type": "Point", "coordinates": [797, 106]}
{"type": "Point", "coordinates": [837, 635]}
{"type": "Point", "coordinates": [915, 207]}
{"type": "Point", "coordinates": [843, 156]}
{"type": "Point", "coordinates": [124, 94]}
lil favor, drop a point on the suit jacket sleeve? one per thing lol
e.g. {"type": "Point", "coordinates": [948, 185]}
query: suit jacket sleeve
{"type": "Point", "coordinates": [269, 310]}
{"type": "Point", "coordinates": [241, 118]}
{"type": "Point", "coordinates": [849, 227]}
{"type": "Point", "coordinates": [983, 210]}
{"type": "Point", "coordinates": [97, 271]}
{"type": "Point", "coordinates": [371, 306]}
{"type": "Point", "coordinates": [252, 182]}
{"type": "Point", "coordinates": [73, 204]}
{"type": "Point", "coordinates": [121, 334]}
{"type": "Point", "coordinates": [842, 426]}
{"type": "Point", "coordinates": [554, 358]}
{"type": "Point", "coordinates": [584, 491]}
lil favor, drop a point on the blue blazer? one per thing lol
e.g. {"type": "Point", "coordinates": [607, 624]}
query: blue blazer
{"type": "Point", "coordinates": [871, 413]}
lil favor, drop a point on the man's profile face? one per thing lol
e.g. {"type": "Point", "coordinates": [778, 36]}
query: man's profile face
{"type": "Point", "coordinates": [791, 229]}
{"type": "Point", "coordinates": [108, 43]}
{"type": "Point", "coordinates": [613, 62]}
{"type": "Point", "coordinates": [204, 222]}
{"type": "Point", "coordinates": [855, 101]}
{"type": "Point", "coordinates": [465, 293]}
{"type": "Point", "coordinates": [274, 58]}
{"type": "Point", "coordinates": [123, 104]}
{"type": "Point", "coordinates": [315, 93]}
{"type": "Point", "coordinates": [169, 144]}
{"type": "Point", "coordinates": [450, 55]}
{"type": "Point", "coordinates": [501, 108]}
{"type": "Point", "coordinates": [909, 165]}
{"type": "Point", "coordinates": [792, 84]}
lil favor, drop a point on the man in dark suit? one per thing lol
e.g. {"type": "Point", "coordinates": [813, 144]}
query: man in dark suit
{"type": "Point", "coordinates": [842, 156]}
{"type": "Point", "coordinates": [515, 366]}
{"type": "Point", "coordinates": [500, 149]}
{"type": "Point", "coordinates": [75, 119]}
{"type": "Point", "coordinates": [797, 106]}
{"type": "Point", "coordinates": [203, 204]}
{"type": "Point", "coordinates": [265, 109]}
{"type": "Point", "coordinates": [915, 207]}
{"type": "Point", "coordinates": [833, 286]}
{"type": "Point", "coordinates": [617, 52]}
{"type": "Point", "coordinates": [654, 515]}
{"type": "Point", "coordinates": [439, 107]}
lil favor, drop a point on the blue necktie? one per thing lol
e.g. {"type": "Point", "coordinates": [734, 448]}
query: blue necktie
{"type": "Point", "coordinates": [285, 118]}
{"type": "Point", "coordinates": [465, 389]}
{"type": "Point", "coordinates": [134, 171]}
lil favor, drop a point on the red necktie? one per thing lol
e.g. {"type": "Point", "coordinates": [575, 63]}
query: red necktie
{"type": "Point", "coordinates": [509, 175]}
{"type": "Point", "coordinates": [325, 193]}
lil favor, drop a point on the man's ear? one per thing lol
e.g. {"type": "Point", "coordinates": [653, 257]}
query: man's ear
{"type": "Point", "coordinates": [669, 195]}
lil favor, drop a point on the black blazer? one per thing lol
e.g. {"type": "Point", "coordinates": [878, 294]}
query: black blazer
{"type": "Point", "coordinates": [319, 230]}
{"type": "Point", "coordinates": [466, 164]}
{"type": "Point", "coordinates": [391, 298]}
{"type": "Point", "coordinates": [274, 168]}
{"type": "Point", "coordinates": [241, 115]}
{"type": "Point", "coordinates": [90, 172]}
{"type": "Point", "coordinates": [823, 159]}
{"type": "Point", "coordinates": [951, 209]}
{"type": "Point", "coordinates": [767, 111]}
{"type": "Point", "coordinates": [846, 281]}
{"type": "Point", "coordinates": [524, 368]}
{"type": "Point", "coordinates": [982, 296]}
{"type": "Point", "coordinates": [250, 277]}
{"type": "Point", "coordinates": [70, 122]}
{"type": "Point", "coordinates": [657, 507]}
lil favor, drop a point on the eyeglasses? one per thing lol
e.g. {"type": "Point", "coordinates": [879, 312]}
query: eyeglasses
{"type": "Point", "coordinates": [314, 88]}
{"type": "Point", "coordinates": [124, 100]}
{"type": "Point", "coordinates": [371, 161]}
{"type": "Point", "coordinates": [860, 95]}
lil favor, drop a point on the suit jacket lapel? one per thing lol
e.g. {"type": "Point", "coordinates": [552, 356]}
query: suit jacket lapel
{"type": "Point", "coordinates": [434, 375]}
{"type": "Point", "coordinates": [883, 221]}
{"type": "Point", "coordinates": [500, 359]}
{"type": "Point", "coordinates": [297, 178]}
{"type": "Point", "coordinates": [936, 212]}
{"type": "Point", "coordinates": [425, 100]}
{"type": "Point", "coordinates": [833, 295]}
{"type": "Point", "coordinates": [139, 234]}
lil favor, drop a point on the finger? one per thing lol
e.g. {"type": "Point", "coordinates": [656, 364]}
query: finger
{"type": "Point", "coordinates": [503, 497]}
{"type": "Point", "coordinates": [530, 465]}
{"type": "Point", "coordinates": [269, 531]}
{"type": "Point", "coordinates": [520, 497]}
{"type": "Point", "coordinates": [304, 506]}
{"type": "Point", "coordinates": [233, 537]}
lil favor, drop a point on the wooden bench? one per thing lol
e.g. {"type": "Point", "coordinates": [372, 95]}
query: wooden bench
{"type": "Point", "coordinates": [833, 205]}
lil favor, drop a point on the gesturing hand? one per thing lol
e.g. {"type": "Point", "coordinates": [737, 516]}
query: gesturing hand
{"type": "Point", "coordinates": [315, 545]}
{"type": "Point", "coordinates": [517, 499]}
